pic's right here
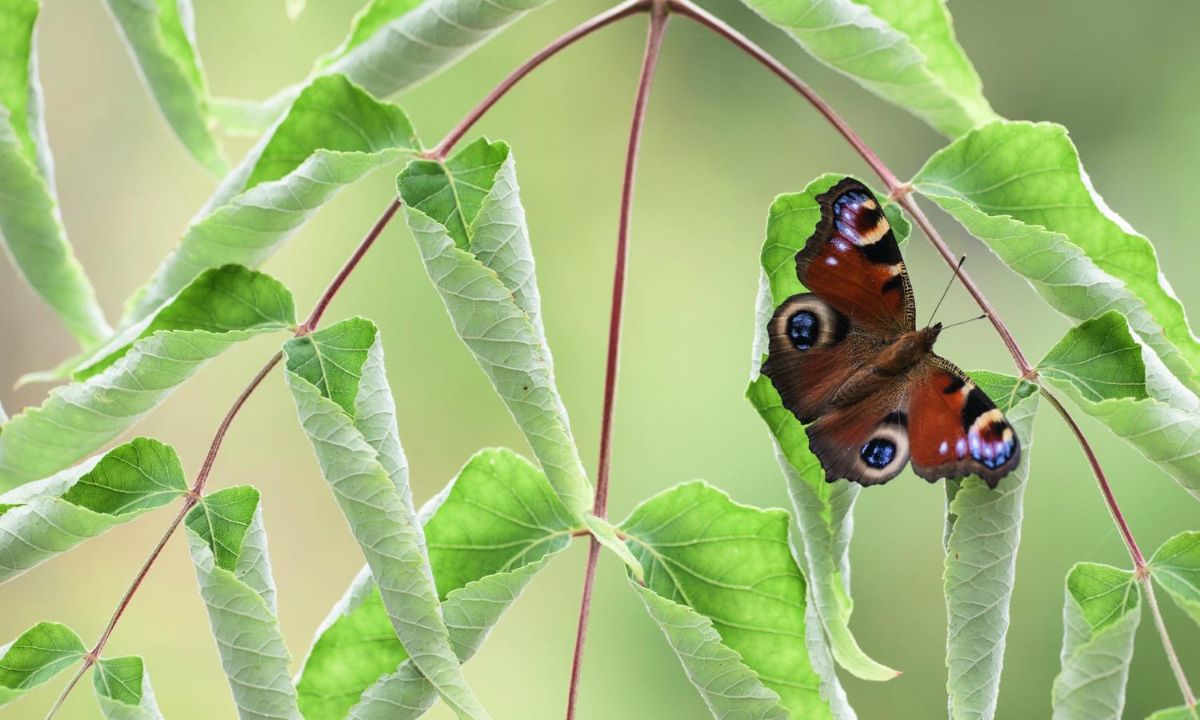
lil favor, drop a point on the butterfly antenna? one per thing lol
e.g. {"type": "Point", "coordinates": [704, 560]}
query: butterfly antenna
{"type": "Point", "coordinates": [953, 275]}
{"type": "Point", "coordinates": [963, 322]}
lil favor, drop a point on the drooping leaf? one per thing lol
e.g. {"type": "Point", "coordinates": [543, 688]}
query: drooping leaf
{"type": "Point", "coordinates": [40, 653]}
{"type": "Point", "coordinates": [137, 371]}
{"type": "Point", "coordinates": [732, 564]}
{"type": "Point", "coordinates": [470, 613]}
{"type": "Point", "coordinates": [30, 220]}
{"type": "Point", "coordinates": [729, 688]}
{"type": "Point", "coordinates": [1100, 366]}
{"type": "Point", "coordinates": [358, 449]}
{"type": "Point", "coordinates": [393, 45]}
{"type": "Point", "coordinates": [1100, 620]}
{"type": "Point", "coordinates": [482, 266]}
{"type": "Point", "coordinates": [123, 690]}
{"type": "Point", "coordinates": [40, 520]}
{"type": "Point", "coordinates": [229, 551]}
{"type": "Point", "coordinates": [1020, 187]}
{"type": "Point", "coordinates": [494, 525]}
{"type": "Point", "coordinates": [1175, 566]}
{"type": "Point", "coordinates": [161, 38]}
{"type": "Point", "coordinates": [983, 530]}
{"type": "Point", "coordinates": [822, 509]}
{"type": "Point", "coordinates": [333, 135]}
{"type": "Point", "coordinates": [902, 50]}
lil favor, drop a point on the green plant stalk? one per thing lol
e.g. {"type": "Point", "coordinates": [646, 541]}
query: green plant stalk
{"type": "Point", "coordinates": [902, 194]}
{"type": "Point", "coordinates": [196, 492]}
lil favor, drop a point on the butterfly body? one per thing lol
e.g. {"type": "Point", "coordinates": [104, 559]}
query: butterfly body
{"type": "Point", "coordinates": [847, 359]}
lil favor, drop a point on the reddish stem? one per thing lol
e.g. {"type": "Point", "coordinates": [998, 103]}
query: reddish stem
{"type": "Point", "coordinates": [625, 9]}
{"type": "Point", "coordinates": [197, 490]}
{"type": "Point", "coordinates": [351, 262]}
{"type": "Point", "coordinates": [654, 37]}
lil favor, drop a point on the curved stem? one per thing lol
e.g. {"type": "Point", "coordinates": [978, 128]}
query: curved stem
{"type": "Point", "coordinates": [654, 37]}
{"type": "Point", "coordinates": [1176, 667]}
{"type": "Point", "coordinates": [1139, 560]}
{"type": "Point", "coordinates": [625, 9]}
{"type": "Point", "coordinates": [196, 492]}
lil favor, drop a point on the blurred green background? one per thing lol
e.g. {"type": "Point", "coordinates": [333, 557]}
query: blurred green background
{"type": "Point", "coordinates": [723, 138]}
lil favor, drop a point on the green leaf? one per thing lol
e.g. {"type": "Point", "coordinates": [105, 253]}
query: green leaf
{"type": "Point", "coordinates": [161, 37]}
{"type": "Point", "coordinates": [1100, 621]}
{"type": "Point", "coordinates": [823, 510]}
{"type": "Point", "coordinates": [902, 50]}
{"type": "Point", "coordinates": [40, 653]}
{"type": "Point", "coordinates": [360, 457]}
{"type": "Point", "coordinates": [1101, 367]}
{"type": "Point", "coordinates": [333, 135]}
{"type": "Point", "coordinates": [483, 268]}
{"type": "Point", "coordinates": [1020, 188]}
{"type": "Point", "coordinates": [732, 564]}
{"type": "Point", "coordinates": [729, 688]}
{"type": "Point", "coordinates": [500, 514]}
{"type": "Point", "coordinates": [134, 373]}
{"type": "Point", "coordinates": [30, 220]}
{"type": "Point", "coordinates": [1176, 568]}
{"type": "Point", "coordinates": [492, 528]}
{"type": "Point", "coordinates": [354, 646]}
{"type": "Point", "coordinates": [229, 551]}
{"type": "Point", "coordinates": [983, 530]}
{"type": "Point", "coordinates": [470, 613]}
{"type": "Point", "coordinates": [40, 520]}
{"type": "Point", "coordinates": [123, 689]}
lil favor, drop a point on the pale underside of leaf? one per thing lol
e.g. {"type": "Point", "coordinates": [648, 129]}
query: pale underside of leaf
{"type": "Point", "coordinates": [30, 221]}
{"type": "Point", "coordinates": [1098, 364]}
{"type": "Point", "coordinates": [1099, 625]}
{"type": "Point", "coordinates": [983, 533]}
{"type": "Point", "coordinates": [1024, 185]}
{"type": "Point", "coordinates": [333, 135]}
{"type": "Point", "coordinates": [731, 690]}
{"type": "Point", "coordinates": [79, 418]}
{"type": "Point", "coordinates": [160, 36]}
{"type": "Point", "coordinates": [242, 615]}
{"type": "Point", "coordinates": [377, 506]}
{"type": "Point", "coordinates": [926, 73]}
{"type": "Point", "coordinates": [52, 516]}
{"type": "Point", "coordinates": [494, 308]}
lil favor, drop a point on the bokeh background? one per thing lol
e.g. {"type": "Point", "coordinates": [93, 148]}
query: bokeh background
{"type": "Point", "coordinates": [723, 138]}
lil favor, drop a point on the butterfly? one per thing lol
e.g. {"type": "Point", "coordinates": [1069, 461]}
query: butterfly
{"type": "Point", "coordinates": [849, 362]}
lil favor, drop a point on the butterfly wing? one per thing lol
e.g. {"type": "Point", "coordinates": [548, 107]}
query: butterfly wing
{"type": "Point", "coordinates": [866, 442]}
{"type": "Point", "coordinates": [813, 350]}
{"type": "Point", "coordinates": [955, 428]}
{"type": "Point", "coordinates": [852, 261]}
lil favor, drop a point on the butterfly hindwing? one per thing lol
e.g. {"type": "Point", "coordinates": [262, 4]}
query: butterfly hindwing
{"type": "Point", "coordinates": [866, 443]}
{"type": "Point", "coordinates": [955, 428]}
{"type": "Point", "coordinates": [853, 261]}
{"type": "Point", "coordinates": [813, 351]}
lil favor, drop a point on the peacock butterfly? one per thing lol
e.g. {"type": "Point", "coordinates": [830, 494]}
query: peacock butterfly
{"type": "Point", "coordinates": [849, 362]}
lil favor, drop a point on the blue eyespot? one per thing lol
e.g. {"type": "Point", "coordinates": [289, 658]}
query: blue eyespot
{"type": "Point", "coordinates": [878, 453]}
{"type": "Point", "coordinates": [803, 329]}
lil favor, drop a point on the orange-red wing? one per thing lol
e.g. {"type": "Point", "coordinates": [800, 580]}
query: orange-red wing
{"type": "Point", "coordinates": [954, 427]}
{"type": "Point", "coordinates": [853, 261]}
